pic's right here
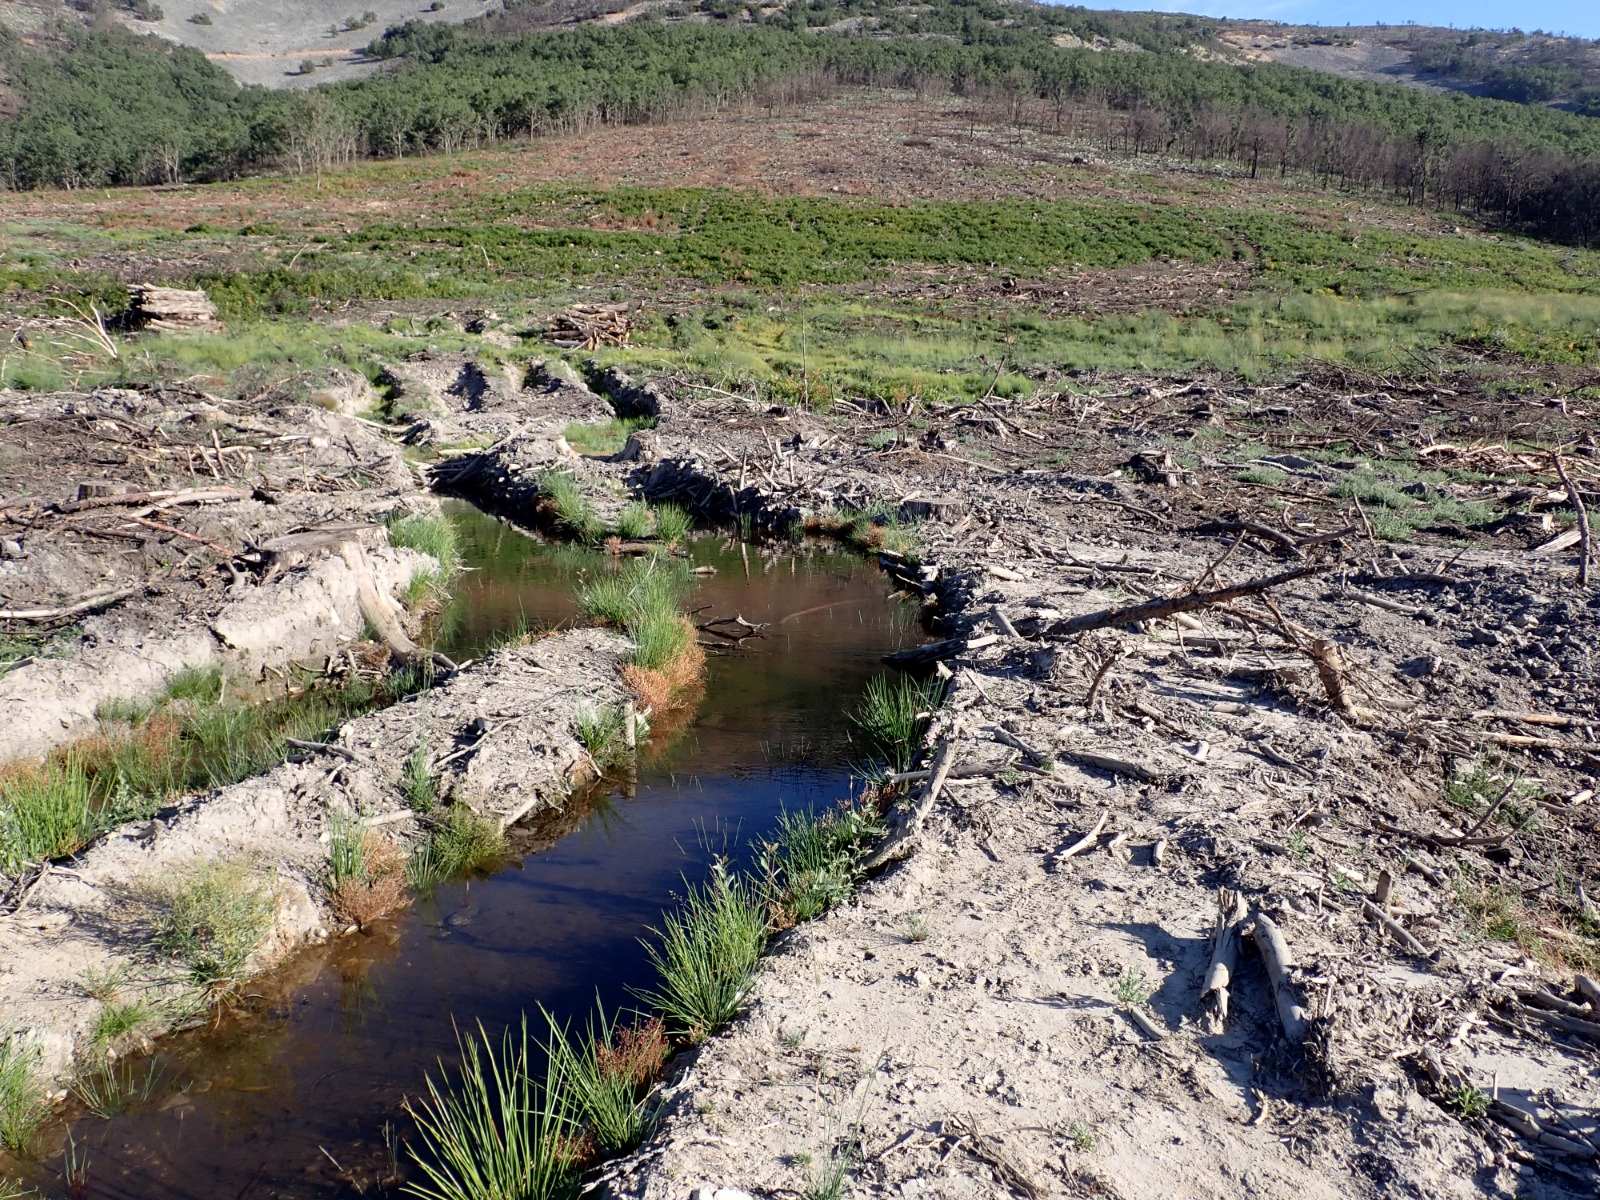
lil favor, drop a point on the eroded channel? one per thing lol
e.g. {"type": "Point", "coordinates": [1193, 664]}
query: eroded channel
{"type": "Point", "coordinates": [297, 1091]}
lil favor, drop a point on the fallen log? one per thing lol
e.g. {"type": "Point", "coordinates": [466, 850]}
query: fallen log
{"type": "Point", "coordinates": [1575, 497]}
{"type": "Point", "coordinates": [922, 656]}
{"type": "Point", "coordinates": [1152, 610]}
{"type": "Point", "coordinates": [1279, 962]}
{"type": "Point", "coordinates": [908, 822]}
{"type": "Point", "coordinates": [1231, 914]}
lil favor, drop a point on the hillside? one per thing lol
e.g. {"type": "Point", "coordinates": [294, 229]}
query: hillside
{"type": "Point", "coordinates": [1528, 68]}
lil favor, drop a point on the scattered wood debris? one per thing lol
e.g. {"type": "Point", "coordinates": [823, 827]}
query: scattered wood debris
{"type": "Point", "coordinates": [590, 326]}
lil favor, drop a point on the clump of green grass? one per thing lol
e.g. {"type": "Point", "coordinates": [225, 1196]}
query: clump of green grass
{"type": "Point", "coordinates": [461, 842]}
{"type": "Point", "coordinates": [432, 534]}
{"type": "Point", "coordinates": [1132, 989]}
{"type": "Point", "coordinates": [1267, 476]}
{"type": "Point", "coordinates": [705, 955]}
{"type": "Point", "coordinates": [643, 586]}
{"type": "Point", "coordinates": [117, 1019]}
{"type": "Point", "coordinates": [1471, 1102]}
{"type": "Point", "coordinates": [604, 437]}
{"type": "Point", "coordinates": [1080, 1137]}
{"type": "Point", "coordinates": [660, 638]}
{"type": "Point", "coordinates": [45, 813]}
{"type": "Point", "coordinates": [672, 523]}
{"type": "Point", "coordinates": [497, 1134]}
{"type": "Point", "coordinates": [196, 685]}
{"type": "Point", "coordinates": [114, 1087]}
{"type": "Point", "coordinates": [213, 919]}
{"type": "Point", "coordinates": [607, 1070]}
{"type": "Point", "coordinates": [418, 781]}
{"type": "Point", "coordinates": [891, 715]}
{"type": "Point", "coordinates": [603, 734]}
{"type": "Point", "coordinates": [878, 527]}
{"type": "Point", "coordinates": [812, 862]}
{"type": "Point", "coordinates": [571, 509]}
{"type": "Point", "coordinates": [22, 1097]}
{"type": "Point", "coordinates": [635, 521]}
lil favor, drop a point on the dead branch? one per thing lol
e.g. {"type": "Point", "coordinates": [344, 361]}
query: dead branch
{"type": "Point", "coordinates": [1231, 914]}
{"type": "Point", "coordinates": [1279, 962]}
{"type": "Point", "coordinates": [1167, 606]}
{"type": "Point", "coordinates": [87, 604]}
{"type": "Point", "coordinates": [908, 823]}
{"type": "Point", "coordinates": [1393, 928]}
{"type": "Point", "coordinates": [1585, 551]}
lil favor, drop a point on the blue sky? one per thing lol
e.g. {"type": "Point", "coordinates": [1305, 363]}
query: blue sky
{"type": "Point", "coordinates": [1580, 17]}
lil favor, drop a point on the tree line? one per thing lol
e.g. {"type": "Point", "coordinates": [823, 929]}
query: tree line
{"type": "Point", "coordinates": [114, 109]}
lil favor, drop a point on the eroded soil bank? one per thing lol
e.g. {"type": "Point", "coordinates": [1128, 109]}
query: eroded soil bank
{"type": "Point", "coordinates": [294, 1092]}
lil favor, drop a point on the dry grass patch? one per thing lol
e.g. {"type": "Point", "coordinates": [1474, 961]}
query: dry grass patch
{"type": "Point", "coordinates": [659, 687]}
{"type": "Point", "coordinates": [374, 882]}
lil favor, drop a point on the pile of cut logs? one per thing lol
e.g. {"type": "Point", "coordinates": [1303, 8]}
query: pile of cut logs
{"type": "Point", "coordinates": [171, 310]}
{"type": "Point", "coordinates": [590, 326]}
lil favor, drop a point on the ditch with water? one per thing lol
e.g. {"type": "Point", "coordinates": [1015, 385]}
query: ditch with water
{"type": "Point", "coordinates": [297, 1090]}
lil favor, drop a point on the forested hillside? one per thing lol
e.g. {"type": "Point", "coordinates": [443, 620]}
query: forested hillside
{"type": "Point", "coordinates": [105, 107]}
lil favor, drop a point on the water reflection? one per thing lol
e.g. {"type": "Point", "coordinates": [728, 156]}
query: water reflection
{"type": "Point", "coordinates": [297, 1092]}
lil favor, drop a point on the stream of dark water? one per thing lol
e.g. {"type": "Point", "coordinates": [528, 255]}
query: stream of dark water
{"type": "Point", "coordinates": [297, 1091]}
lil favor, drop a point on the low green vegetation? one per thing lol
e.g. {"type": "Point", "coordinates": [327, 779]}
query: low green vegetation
{"type": "Point", "coordinates": [607, 1070]}
{"type": "Point", "coordinates": [149, 753]}
{"type": "Point", "coordinates": [868, 530]}
{"type": "Point", "coordinates": [118, 1019]}
{"type": "Point", "coordinates": [812, 862]}
{"type": "Point", "coordinates": [417, 780]}
{"type": "Point", "coordinates": [672, 523]}
{"type": "Point", "coordinates": [604, 437]}
{"type": "Point", "coordinates": [434, 535]}
{"type": "Point", "coordinates": [23, 1103]}
{"type": "Point", "coordinates": [705, 956]}
{"type": "Point", "coordinates": [114, 1086]}
{"type": "Point", "coordinates": [890, 718]}
{"type": "Point", "coordinates": [497, 1131]}
{"type": "Point", "coordinates": [602, 730]}
{"type": "Point", "coordinates": [643, 599]}
{"type": "Point", "coordinates": [458, 843]}
{"type": "Point", "coordinates": [212, 919]}
{"type": "Point", "coordinates": [569, 508]}
{"type": "Point", "coordinates": [1132, 989]}
{"type": "Point", "coordinates": [635, 521]}
{"type": "Point", "coordinates": [1470, 1102]}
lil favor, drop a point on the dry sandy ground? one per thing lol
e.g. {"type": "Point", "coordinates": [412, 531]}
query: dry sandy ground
{"type": "Point", "coordinates": [1018, 1009]}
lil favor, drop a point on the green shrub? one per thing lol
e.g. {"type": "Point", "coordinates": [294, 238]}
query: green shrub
{"type": "Point", "coordinates": [706, 955]}
{"type": "Point", "coordinates": [213, 920]}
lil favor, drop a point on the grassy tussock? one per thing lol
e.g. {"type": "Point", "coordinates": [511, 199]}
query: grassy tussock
{"type": "Point", "coordinates": [813, 862]}
{"type": "Point", "coordinates": [569, 508]}
{"type": "Point", "coordinates": [213, 919]}
{"type": "Point", "coordinates": [635, 522]}
{"type": "Point", "coordinates": [417, 780]}
{"type": "Point", "coordinates": [603, 733]}
{"type": "Point", "coordinates": [496, 1133]}
{"type": "Point", "coordinates": [460, 843]}
{"type": "Point", "coordinates": [432, 534]}
{"type": "Point", "coordinates": [672, 523]}
{"type": "Point", "coordinates": [22, 1097]}
{"type": "Point", "coordinates": [891, 716]}
{"type": "Point", "coordinates": [44, 813]}
{"type": "Point", "coordinates": [607, 1070]}
{"type": "Point", "coordinates": [643, 599]}
{"type": "Point", "coordinates": [366, 873]}
{"type": "Point", "coordinates": [705, 956]}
